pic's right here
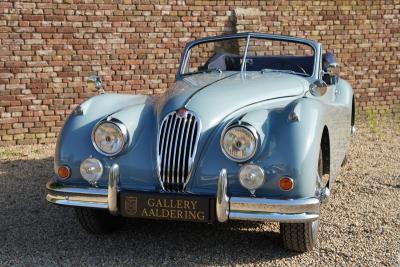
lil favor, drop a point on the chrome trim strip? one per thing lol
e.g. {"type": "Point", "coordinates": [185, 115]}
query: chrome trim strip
{"type": "Point", "coordinates": [263, 209]}
{"type": "Point", "coordinates": [78, 201]}
{"type": "Point", "coordinates": [58, 188]}
{"type": "Point", "coordinates": [273, 217]}
{"type": "Point", "coordinates": [112, 196]}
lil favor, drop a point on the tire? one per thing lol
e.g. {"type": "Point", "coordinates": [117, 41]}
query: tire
{"type": "Point", "coordinates": [302, 237]}
{"type": "Point", "coordinates": [299, 237]}
{"type": "Point", "coordinates": [98, 221]}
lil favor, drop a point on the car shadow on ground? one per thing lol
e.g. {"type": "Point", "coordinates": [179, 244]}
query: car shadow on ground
{"type": "Point", "coordinates": [35, 232]}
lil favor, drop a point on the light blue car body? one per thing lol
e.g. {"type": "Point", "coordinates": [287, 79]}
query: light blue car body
{"type": "Point", "coordinates": [288, 147]}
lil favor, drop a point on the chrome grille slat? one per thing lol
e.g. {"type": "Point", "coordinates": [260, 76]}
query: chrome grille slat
{"type": "Point", "coordinates": [184, 165]}
{"type": "Point", "coordinates": [191, 146]}
{"type": "Point", "coordinates": [175, 119]}
{"type": "Point", "coordinates": [175, 152]}
{"type": "Point", "coordinates": [164, 166]}
{"type": "Point", "coordinates": [185, 130]}
{"type": "Point", "coordinates": [176, 149]}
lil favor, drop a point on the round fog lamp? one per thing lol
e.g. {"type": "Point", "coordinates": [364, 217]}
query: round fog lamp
{"type": "Point", "coordinates": [91, 170]}
{"type": "Point", "coordinates": [251, 176]}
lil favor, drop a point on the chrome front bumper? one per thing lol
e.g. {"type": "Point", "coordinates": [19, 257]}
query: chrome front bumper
{"type": "Point", "coordinates": [227, 208]}
{"type": "Point", "coordinates": [89, 197]}
{"type": "Point", "coordinates": [263, 209]}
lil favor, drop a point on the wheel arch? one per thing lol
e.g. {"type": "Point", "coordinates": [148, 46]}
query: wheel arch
{"type": "Point", "coordinates": [353, 111]}
{"type": "Point", "coordinates": [326, 151]}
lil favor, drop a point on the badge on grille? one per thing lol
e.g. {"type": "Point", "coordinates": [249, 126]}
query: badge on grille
{"type": "Point", "coordinates": [131, 205]}
{"type": "Point", "coordinates": [182, 113]}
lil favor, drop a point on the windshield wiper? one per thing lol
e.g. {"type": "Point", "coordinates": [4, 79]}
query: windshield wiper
{"type": "Point", "coordinates": [285, 71]}
{"type": "Point", "coordinates": [203, 71]}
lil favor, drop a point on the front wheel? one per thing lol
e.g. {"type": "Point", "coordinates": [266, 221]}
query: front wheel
{"type": "Point", "coordinates": [300, 237]}
{"type": "Point", "coordinates": [98, 221]}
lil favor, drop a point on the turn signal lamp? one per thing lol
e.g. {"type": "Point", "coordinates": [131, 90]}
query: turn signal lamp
{"type": "Point", "coordinates": [63, 172]}
{"type": "Point", "coordinates": [286, 183]}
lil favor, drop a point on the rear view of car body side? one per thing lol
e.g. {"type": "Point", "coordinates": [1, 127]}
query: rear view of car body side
{"type": "Point", "coordinates": [255, 127]}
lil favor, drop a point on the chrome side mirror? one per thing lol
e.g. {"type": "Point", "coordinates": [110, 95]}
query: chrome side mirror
{"type": "Point", "coordinates": [333, 69]}
{"type": "Point", "coordinates": [96, 81]}
{"type": "Point", "coordinates": [318, 88]}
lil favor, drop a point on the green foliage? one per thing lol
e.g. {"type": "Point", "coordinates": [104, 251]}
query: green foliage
{"type": "Point", "coordinates": [372, 121]}
{"type": "Point", "coordinates": [377, 122]}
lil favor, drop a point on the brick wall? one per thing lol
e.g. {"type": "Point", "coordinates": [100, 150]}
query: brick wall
{"type": "Point", "coordinates": [48, 47]}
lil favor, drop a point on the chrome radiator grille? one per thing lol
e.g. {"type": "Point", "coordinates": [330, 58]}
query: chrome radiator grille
{"type": "Point", "coordinates": [177, 143]}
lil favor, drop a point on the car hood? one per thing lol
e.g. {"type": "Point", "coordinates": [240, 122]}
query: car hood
{"type": "Point", "coordinates": [213, 96]}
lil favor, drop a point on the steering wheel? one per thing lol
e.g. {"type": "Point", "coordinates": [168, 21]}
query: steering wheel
{"type": "Point", "coordinates": [286, 63]}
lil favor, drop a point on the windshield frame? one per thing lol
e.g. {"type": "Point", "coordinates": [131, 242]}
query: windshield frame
{"type": "Point", "coordinates": [314, 45]}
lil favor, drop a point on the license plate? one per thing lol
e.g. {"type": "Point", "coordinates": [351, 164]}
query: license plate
{"type": "Point", "coordinates": [167, 207]}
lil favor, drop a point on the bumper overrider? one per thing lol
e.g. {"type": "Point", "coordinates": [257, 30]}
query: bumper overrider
{"type": "Point", "coordinates": [226, 207]}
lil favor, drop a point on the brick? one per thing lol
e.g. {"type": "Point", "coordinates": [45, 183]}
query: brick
{"type": "Point", "coordinates": [27, 141]}
{"type": "Point", "coordinates": [33, 17]}
{"type": "Point", "coordinates": [48, 48]}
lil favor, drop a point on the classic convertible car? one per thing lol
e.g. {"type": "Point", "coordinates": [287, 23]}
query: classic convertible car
{"type": "Point", "coordinates": [255, 128]}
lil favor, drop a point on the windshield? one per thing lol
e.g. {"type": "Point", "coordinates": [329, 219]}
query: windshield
{"type": "Point", "coordinates": [261, 54]}
{"type": "Point", "coordinates": [223, 55]}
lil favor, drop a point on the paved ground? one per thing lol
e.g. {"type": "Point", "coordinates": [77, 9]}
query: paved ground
{"type": "Point", "coordinates": [360, 224]}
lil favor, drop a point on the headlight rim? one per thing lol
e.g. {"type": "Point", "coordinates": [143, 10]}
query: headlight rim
{"type": "Point", "coordinates": [247, 127]}
{"type": "Point", "coordinates": [120, 126]}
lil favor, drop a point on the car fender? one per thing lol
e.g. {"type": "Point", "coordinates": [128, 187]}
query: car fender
{"type": "Point", "coordinates": [286, 148]}
{"type": "Point", "coordinates": [74, 141]}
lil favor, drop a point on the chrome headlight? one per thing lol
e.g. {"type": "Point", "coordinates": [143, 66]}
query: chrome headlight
{"type": "Point", "coordinates": [239, 142]}
{"type": "Point", "coordinates": [91, 170]}
{"type": "Point", "coordinates": [109, 137]}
